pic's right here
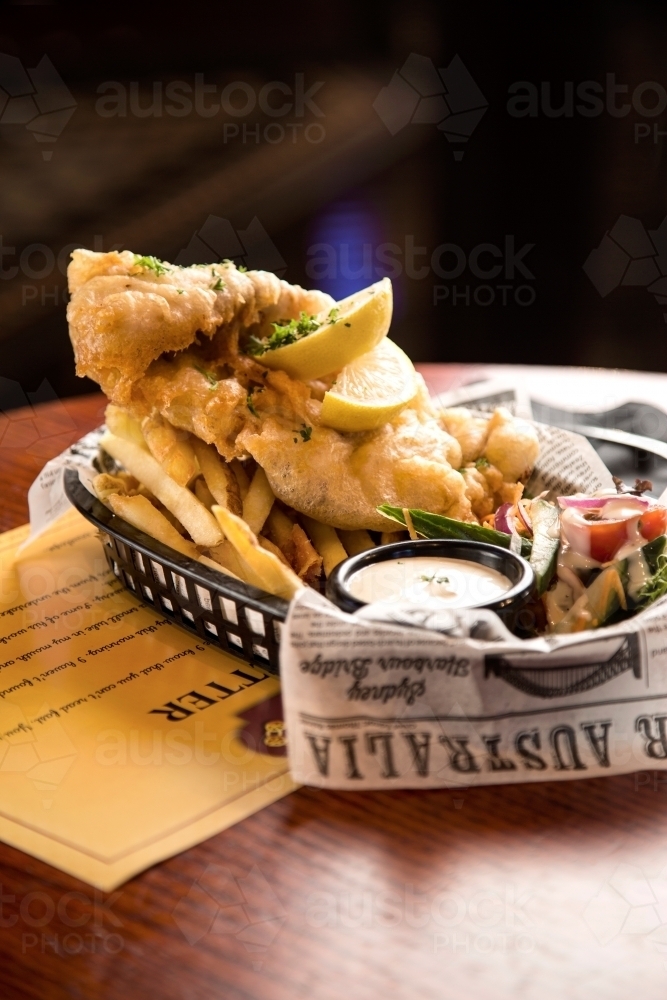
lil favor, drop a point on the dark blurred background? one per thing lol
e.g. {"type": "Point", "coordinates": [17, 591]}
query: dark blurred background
{"type": "Point", "coordinates": [504, 165]}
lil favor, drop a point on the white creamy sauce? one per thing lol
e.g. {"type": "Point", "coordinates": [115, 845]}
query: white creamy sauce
{"type": "Point", "coordinates": [429, 581]}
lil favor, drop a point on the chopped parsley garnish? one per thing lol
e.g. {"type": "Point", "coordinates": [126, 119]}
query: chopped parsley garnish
{"type": "Point", "coordinates": [210, 378]}
{"type": "Point", "coordinates": [218, 286]}
{"type": "Point", "coordinates": [242, 268]}
{"type": "Point", "coordinates": [150, 264]}
{"type": "Point", "coordinates": [249, 402]}
{"type": "Point", "coordinates": [305, 431]}
{"type": "Point", "coordinates": [482, 463]}
{"type": "Point", "coordinates": [180, 291]}
{"type": "Point", "coordinates": [287, 332]}
{"type": "Point", "coordinates": [438, 579]}
{"type": "Point", "coordinates": [333, 314]}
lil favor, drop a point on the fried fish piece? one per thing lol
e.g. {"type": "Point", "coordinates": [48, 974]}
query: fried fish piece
{"type": "Point", "coordinates": [340, 479]}
{"type": "Point", "coordinates": [166, 342]}
{"type": "Point", "coordinates": [506, 442]}
{"type": "Point", "coordinates": [126, 311]}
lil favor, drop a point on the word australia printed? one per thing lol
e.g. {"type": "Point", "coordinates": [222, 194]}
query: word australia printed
{"type": "Point", "coordinates": [374, 705]}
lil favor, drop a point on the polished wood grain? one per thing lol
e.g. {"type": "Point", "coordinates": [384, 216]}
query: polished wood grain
{"type": "Point", "coordinates": [536, 892]}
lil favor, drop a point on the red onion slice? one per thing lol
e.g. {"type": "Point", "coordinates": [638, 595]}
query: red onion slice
{"type": "Point", "coordinates": [597, 503]}
{"type": "Point", "coordinates": [502, 522]}
{"type": "Point", "coordinates": [583, 503]}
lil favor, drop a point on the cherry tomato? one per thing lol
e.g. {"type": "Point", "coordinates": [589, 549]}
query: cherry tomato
{"type": "Point", "coordinates": [602, 539]}
{"type": "Point", "coordinates": [653, 523]}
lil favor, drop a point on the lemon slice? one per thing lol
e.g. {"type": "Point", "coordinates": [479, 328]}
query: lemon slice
{"type": "Point", "coordinates": [355, 326]}
{"type": "Point", "coordinates": [370, 390]}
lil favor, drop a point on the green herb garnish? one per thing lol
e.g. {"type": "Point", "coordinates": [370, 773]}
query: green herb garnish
{"type": "Point", "coordinates": [150, 264]}
{"type": "Point", "coordinates": [284, 333]}
{"type": "Point", "coordinates": [429, 579]}
{"type": "Point", "coordinates": [657, 586]}
{"type": "Point", "coordinates": [242, 268]}
{"type": "Point", "coordinates": [250, 404]}
{"type": "Point", "coordinates": [305, 431]}
{"type": "Point", "coordinates": [218, 286]}
{"type": "Point", "coordinates": [333, 314]}
{"type": "Point", "coordinates": [210, 378]}
{"type": "Point", "coordinates": [482, 463]}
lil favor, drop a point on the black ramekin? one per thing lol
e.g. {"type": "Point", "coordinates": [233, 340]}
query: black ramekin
{"type": "Point", "coordinates": [508, 606]}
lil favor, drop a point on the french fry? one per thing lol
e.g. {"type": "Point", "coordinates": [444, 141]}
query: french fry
{"type": "Point", "coordinates": [167, 513]}
{"type": "Point", "coordinates": [307, 562]}
{"type": "Point", "coordinates": [213, 564]}
{"type": "Point", "coordinates": [263, 568]}
{"type": "Point", "coordinates": [327, 543]}
{"type": "Point", "coordinates": [203, 493]}
{"type": "Point", "coordinates": [226, 556]}
{"type": "Point", "coordinates": [280, 529]}
{"type": "Point", "coordinates": [219, 477]}
{"type": "Point", "coordinates": [295, 545]}
{"type": "Point", "coordinates": [258, 501]}
{"type": "Point", "coordinates": [142, 514]}
{"type": "Point", "coordinates": [389, 537]}
{"type": "Point", "coordinates": [241, 477]}
{"type": "Point", "coordinates": [124, 425]}
{"type": "Point", "coordinates": [105, 484]}
{"type": "Point", "coordinates": [267, 544]}
{"type": "Point", "coordinates": [356, 541]}
{"type": "Point", "coordinates": [171, 448]}
{"type": "Point", "coordinates": [184, 505]}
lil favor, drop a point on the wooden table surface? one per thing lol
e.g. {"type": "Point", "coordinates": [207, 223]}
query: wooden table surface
{"type": "Point", "coordinates": [525, 891]}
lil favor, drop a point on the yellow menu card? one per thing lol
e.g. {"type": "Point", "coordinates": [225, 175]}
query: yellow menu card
{"type": "Point", "coordinates": [123, 738]}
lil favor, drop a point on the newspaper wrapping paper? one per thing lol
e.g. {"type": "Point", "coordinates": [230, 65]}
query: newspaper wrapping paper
{"type": "Point", "coordinates": [381, 704]}
{"type": "Point", "coordinates": [47, 500]}
{"type": "Point", "coordinates": [466, 711]}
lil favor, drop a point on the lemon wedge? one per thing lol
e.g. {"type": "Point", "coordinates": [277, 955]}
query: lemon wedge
{"type": "Point", "coordinates": [355, 326]}
{"type": "Point", "coordinates": [370, 390]}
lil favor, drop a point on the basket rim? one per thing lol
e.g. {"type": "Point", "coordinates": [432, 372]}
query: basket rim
{"type": "Point", "coordinates": [106, 521]}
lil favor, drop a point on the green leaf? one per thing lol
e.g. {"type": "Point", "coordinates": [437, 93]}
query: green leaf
{"type": "Point", "coordinates": [657, 586]}
{"type": "Point", "coordinates": [439, 526]}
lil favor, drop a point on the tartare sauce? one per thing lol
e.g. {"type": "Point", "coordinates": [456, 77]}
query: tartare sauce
{"type": "Point", "coordinates": [429, 581]}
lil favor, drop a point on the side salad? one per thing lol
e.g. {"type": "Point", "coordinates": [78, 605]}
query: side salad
{"type": "Point", "coordinates": [597, 558]}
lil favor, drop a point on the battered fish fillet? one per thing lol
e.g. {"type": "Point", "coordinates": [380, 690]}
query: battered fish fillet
{"type": "Point", "coordinates": [125, 313]}
{"type": "Point", "coordinates": [167, 340]}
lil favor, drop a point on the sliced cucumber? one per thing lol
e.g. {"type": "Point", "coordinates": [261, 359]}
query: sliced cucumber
{"type": "Point", "coordinates": [652, 550]}
{"type": "Point", "coordinates": [438, 526]}
{"type": "Point", "coordinates": [546, 540]}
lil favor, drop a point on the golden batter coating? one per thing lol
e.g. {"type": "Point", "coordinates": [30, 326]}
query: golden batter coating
{"type": "Point", "coordinates": [162, 339]}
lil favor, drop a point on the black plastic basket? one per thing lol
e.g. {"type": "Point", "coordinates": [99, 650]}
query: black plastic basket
{"type": "Point", "coordinates": [238, 618]}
